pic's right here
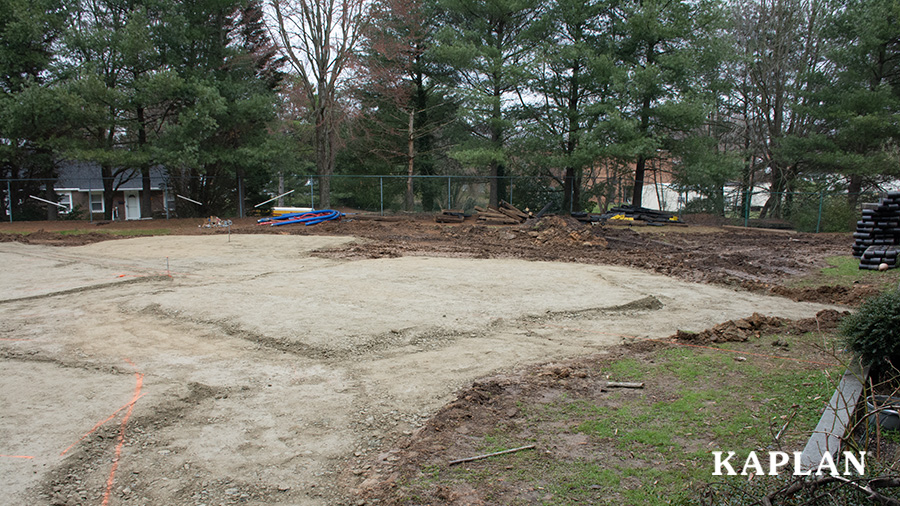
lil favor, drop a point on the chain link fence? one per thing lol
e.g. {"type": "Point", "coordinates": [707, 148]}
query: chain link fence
{"type": "Point", "coordinates": [37, 199]}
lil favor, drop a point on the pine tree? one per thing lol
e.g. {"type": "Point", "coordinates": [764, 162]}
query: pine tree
{"type": "Point", "coordinates": [668, 51]}
{"type": "Point", "coordinates": [488, 44]}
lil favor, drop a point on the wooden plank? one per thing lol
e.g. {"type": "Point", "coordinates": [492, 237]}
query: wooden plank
{"type": "Point", "coordinates": [624, 384]}
{"type": "Point", "coordinates": [493, 215]}
{"type": "Point", "coordinates": [836, 418]}
{"type": "Point", "coordinates": [512, 215]}
{"type": "Point", "coordinates": [449, 218]}
{"type": "Point", "coordinates": [498, 221]}
{"type": "Point", "coordinates": [543, 210]}
{"type": "Point", "coordinates": [507, 205]}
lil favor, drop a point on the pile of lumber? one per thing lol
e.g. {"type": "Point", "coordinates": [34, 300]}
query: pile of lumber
{"type": "Point", "coordinates": [451, 216]}
{"type": "Point", "coordinates": [877, 237]}
{"type": "Point", "coordinates": [504, 214]}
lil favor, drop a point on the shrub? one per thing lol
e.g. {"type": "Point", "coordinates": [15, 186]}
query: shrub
{"type": "Point", "coordinates": [873, 332]}
{"type": "Point", "coordinates": [837, 214]}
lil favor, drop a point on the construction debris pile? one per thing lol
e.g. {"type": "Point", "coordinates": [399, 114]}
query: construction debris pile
{"type": "Point", "coordinates": [215, 222]}
{"type": "Point", "coordinates": [757, 325]}
{"type": "Point", "coordinates": [504, 214]}
{"type": "Point", "coordinates": [877, 236]}
{"type": "Point", "coordinates": [631, 214]}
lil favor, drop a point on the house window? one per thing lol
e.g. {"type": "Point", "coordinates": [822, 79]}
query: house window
{"type": "Point", "coordinates": [65, 199]}
{"type": "Point", "coordinates": [97, 205]}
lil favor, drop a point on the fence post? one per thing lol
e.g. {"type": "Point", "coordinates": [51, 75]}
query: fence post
{"type": "Point", "coordinates": [571, 195]}
{"type": "Point", "coordinates": [165, 190]}
{"type": "Point", "coordinates": [9, 197]}
{"type": "Point", "coordinates": [381, 188]}
{"type": "Point", "coordinates": [821, 202]}
{"type": "Point", "coordinates": [449, 206]}
{"type": "Point", "coordinates": [510, 189]}
{"type": "Point", "coordinates": [747, 207]}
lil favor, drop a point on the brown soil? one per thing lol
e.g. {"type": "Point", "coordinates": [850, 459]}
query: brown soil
{"type": "Point", "coordinates": [756, 325]}
{"type": "Point", "coordinates": [396, 476]}
{"type": "Point", "coordinates": [754, 259]}
{"type": "Point", "coordinates": [297, 370]}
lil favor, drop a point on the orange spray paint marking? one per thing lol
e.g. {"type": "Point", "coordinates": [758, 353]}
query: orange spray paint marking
{"type": "Point", "coordinates": [139, 380]}
{"type": "Point", "coordinates": [99, 424]}
{"type": "Point", "coordinates": [16, 456]}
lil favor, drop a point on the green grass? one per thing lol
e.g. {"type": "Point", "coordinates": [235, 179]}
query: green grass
{"type": "Point", "coordinates": [650, 446]}
{"type": "Point", "coordinates": [575, 484]}
{"type": "Point", "coordinates": [845, 271]}
{"type": "Point", "coordinates": [626, 369]}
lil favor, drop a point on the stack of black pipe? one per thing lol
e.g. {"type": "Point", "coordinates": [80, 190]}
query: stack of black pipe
{"type": "Point", "coordinates": [878, 233]}
{"type": "Point", "coordinates": [651, 216]}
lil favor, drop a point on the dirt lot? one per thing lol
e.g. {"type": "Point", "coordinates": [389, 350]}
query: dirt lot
{"type": "Point", "coordinates": [264, 365]}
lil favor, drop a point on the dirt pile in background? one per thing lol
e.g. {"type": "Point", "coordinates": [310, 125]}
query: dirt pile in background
{"type": "Point", "coordinates": [45, 238]}
{"type": "Point", "coordinates": [756, 325]}
{"type": "Point", "coordinates": [754, 259]}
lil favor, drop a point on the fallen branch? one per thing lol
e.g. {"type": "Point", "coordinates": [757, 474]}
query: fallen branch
{"type": "Point", "coordinates": [872, 494]}
{"type": "Point", "coordinates": [624, 384]}
{"type": "Point", "coordinates": [867, 489]}
{"type": "Point", "coordinates": [784, 427]}
{"type": "Point", "coordinates": [479, 457]}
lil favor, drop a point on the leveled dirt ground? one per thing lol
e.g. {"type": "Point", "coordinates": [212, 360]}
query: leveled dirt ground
{"type": "Point", "coordinates": [263, 365]}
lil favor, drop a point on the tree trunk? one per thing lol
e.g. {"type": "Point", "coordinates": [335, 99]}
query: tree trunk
{"type": "Point", "coordinates": [853, 190]}
{"type": "Point", "coordinates": [240, 193]}
{"type": "Point", "coordinates": [571, 190]}
{"type": "Point", "coordinates": [853, 195]}
{"type": "Point", "coordinates": [50, 194]}
{"type": "Point", "coordinates": [773, 206]}
{"type": "Point", "coordinates": [637, 193]}
{"type": "Point", "coordinates": [108, 193]}
{"type": "Point", "coordinates": [324, 160]}
{"type": "Point", "coordinates": [146, 201]}
{"type": "Point", "coordinates": [428, 186]}
{"type": "Point", "coordinates": [496, 167]}
{"type": "Point", "coordinates": [411, 157]}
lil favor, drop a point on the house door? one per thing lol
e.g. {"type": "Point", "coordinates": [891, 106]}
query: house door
{"type": "Point", "coordinates": [132, 207]}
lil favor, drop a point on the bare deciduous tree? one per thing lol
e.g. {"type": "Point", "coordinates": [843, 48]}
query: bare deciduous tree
{"type": "Point", "coordinates": [779, 44]}
{"type": "Point", "coordinates": [318, 38]}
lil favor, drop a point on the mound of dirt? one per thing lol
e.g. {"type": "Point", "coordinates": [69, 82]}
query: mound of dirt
{"type": "Point", "coordinates": [756, 325]}
{"type": "Point", "coordinates": [57, 239]}
{"type": "Point", "coordinates": [848, 295]}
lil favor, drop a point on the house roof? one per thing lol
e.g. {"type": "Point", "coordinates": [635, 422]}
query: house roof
{"type": "Point", "coordinates": [84, 176]}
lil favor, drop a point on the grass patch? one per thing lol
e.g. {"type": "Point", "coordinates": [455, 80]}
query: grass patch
{"type": "Point", "coordinates": [626, 369]}
{"type": "Point", "coordinates": [650, 446]}
{"type": "Point", "coordinates": [845, 271]}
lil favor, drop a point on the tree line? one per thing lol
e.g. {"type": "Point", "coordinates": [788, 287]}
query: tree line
{"type": "Point", "coordinates": [796, 95]}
